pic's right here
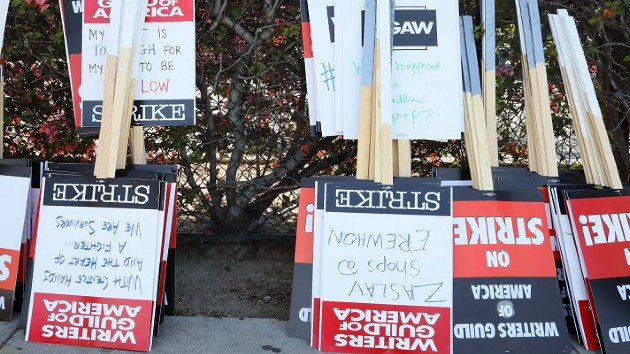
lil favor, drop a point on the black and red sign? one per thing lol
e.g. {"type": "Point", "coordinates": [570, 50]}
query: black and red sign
{"type": "Point", "coordinates": [506, 296]}
{"type": "Point", "coordinates": [601, 226]}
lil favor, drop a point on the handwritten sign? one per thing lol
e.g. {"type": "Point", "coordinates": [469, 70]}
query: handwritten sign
{"type": "Point", "coordinates": [322, 23]}
{"type": "Point", "coordinates": [601, 228]}
{"type": "Point", "coordinates": [165, 88]}
{"type": "Point", "coordinates": [97, 254]}
{"type": "Point", "coordinates": [15, 183]}
{"type": "Point", "coordinates": [348, 49]}
{"type": "Point", "coordinates": [386, 265]}
{"type": "Point", "coordinates": [427, 99]}
{"type": "Point", "coordinates": [502, 299]}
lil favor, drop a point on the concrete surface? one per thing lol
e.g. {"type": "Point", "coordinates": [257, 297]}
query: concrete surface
{"type": "Point", "coordinates": [191, 335]}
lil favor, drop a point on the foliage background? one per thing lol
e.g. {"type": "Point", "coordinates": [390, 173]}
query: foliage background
{"type": "Point", "coordinates": [242, 163]}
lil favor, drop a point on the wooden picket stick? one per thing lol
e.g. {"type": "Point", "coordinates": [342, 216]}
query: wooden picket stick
{"type": "Point", "coordinates": [583, 131]}
{"type": "Point", "coordinates": [547, 138]}
{"type": "Point", "coordinates": [468, 109]}
{"type": "Point", "coordinates": [594, 143]}
{"type": "Point", "coordinates": [594, 114]}
{"type": "Point", "coordinates": [136, 137]}
{"type": "Point", "coordinates": [403, 153]}
{"type": "Point", "coordinates": [365, 108]}
{"type": "Point", "coordinates": [582, 128]}
{"type": "Point", "coordinates": [474, 119]}
{"type": "Point", "coordinates": [117, 131]}
{"type": "Point", "coordinates": [138, 154]}
{"type": "Point", "coordinates": [101, 165]}
{"type": "Point", "coordinates": [376, 120]}
{"type": "Point", "coordinates": [384, 41]}
{"type": "Point", "coordinates": [489, 77]}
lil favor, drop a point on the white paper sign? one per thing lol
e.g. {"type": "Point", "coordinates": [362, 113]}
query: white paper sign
{"type": "Point", "coordinates": [426, 69]}
{"type": "Point", "coordinates": [165, 88]}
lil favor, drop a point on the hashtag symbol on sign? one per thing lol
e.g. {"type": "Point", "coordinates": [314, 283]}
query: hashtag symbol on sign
{"type": "Point", "coordinates": [329, 76]}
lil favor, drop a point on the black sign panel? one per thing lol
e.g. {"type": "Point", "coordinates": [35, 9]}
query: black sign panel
{"type": "Point", "coordinates": [95, 192]}
{"type": "Point", "coordinates": [415, 28]}
{"type": "Point", "coordinates": [508, 315]}
{"type": "Point", "coordinates": [611, 296]}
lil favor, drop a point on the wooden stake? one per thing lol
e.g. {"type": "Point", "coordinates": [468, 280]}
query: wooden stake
{"type": "Point", "coordinates": [489, 78]}
{"type": "Point", "coordinates": [404, 157]}
{"type": "Point", "coordinates": [474, 119]}
{"type": "Point", "coordinates": [138, 155]}
{"type": "Point", "coordinates": [596, 152]}
{"type": "Point", "coordinates": [101, 164]}
{"type": "Point", "coordinates": [124, 29]}
{"type": "Point", "coordinates": [384, 41]}
{"type": "Point", "coordinates": [367, 102]}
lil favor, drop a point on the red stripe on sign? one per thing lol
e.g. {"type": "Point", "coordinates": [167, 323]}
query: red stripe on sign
{"type": "Point", "coordinates": [157, 11]}
{"type": "Point", "coordinates": [91, 321]}
{"type": "Point", "coordinates": [21, 275]}
{"type": "Point", "coordinates": [384, 328]}
{"type": "Point", "coordinates": [315, 313]}
{"type": "Point", "coordinates": [501, 239]}
{"type": "Point", "coordinates": [96, 11]}
{"type": "Point", "coordinates": [170, 11]}
{"type": "Point", "coordinates": [75, 71]}
{"type": "Point", "coordinates": [306, 40]}
{"type": "Point", "coordinates": [305, 224]}
{"type": "Point", "coordinates": [588, 325]}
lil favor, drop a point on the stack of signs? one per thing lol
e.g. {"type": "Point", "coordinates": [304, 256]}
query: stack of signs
{"type": "Point", "coordinates": [300, 314]}
{"type": "Point", "coordinates": [167, 174]}
{"type": "Point", "coordinates": [165, 89]}
{"type": "Point", "coordinates": [425, 49]}
{"type": "Point", "coordinates": [601, 228]}
{"type": "Point", "coordinates": [382, 267]}
{"type": "Point", "coordinates": [506, 294]}
{"type": "Point", "coordinates": [15, 183]}
{"type": "Point", "coordinates": [573, 269]}
{"type": "Point", "coordinates": [97, 251]}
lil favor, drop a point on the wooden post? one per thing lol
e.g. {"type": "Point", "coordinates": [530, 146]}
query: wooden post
{"type": "Point", "coordinates": [111, 61]}
{"type": "Point", "coordinates": [367, 101]}
{"type": "Point", "coordinates": [474, 119]}
{"type": "Point", "coordinates": [489, 77]}
{"type": "Point", "coordinates": [115, 127]}
{"type": "Point", "coordinates": [598, 160]}
{"type": "Point", "coordinates": [384, 106]}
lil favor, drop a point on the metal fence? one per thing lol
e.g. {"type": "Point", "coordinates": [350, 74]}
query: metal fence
{"type": "Point", "coordinates": [279, 221]}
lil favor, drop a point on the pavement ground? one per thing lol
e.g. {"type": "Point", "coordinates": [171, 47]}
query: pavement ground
{"type": "Point", "coordinates": [190, 335]}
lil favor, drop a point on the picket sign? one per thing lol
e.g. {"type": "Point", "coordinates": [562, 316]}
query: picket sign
{"type": "Point", "coordinates": [15, 182]}
{"type": "Point", "coordinates": [357, 275]}
{"type": "Point", "coordinates": [599, 222]}
{"type": "Point", "coordinates": [573, 268]}
{"type": "Point", "coordinates": [500, 257]}
{"type": "Point", "coordinates": [96, 259]}
{"type": "Point", "coordinates": [309, 70]}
